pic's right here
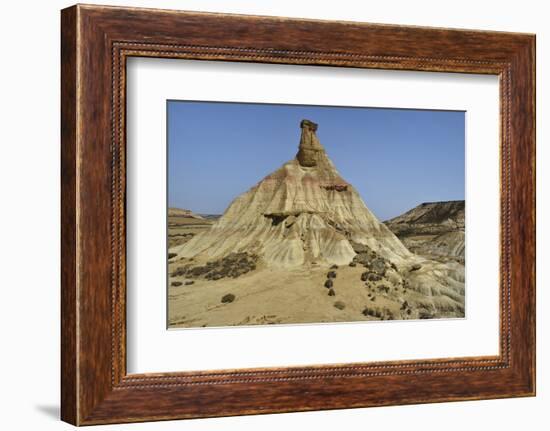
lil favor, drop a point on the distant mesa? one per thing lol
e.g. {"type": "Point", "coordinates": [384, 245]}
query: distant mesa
{"type": "Point", "coordinates": [301, 213]}
{"type": "Point", "coordinates": [184, 224]}
{"type": "Point", "coordinates": [211, 217]}
{"type": "Point", "coordinates": [444, 213]}
{"type": "Point", "coordinates": [179, 212]}
{"type": "Point", "coordinates": [433, 228]}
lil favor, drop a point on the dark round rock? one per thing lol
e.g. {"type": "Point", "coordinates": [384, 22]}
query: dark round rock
{"type": "Point", "coordinates": [226, 299]}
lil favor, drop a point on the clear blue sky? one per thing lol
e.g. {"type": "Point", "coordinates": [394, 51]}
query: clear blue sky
{"type": "Point", "coordinates": [396, 158]}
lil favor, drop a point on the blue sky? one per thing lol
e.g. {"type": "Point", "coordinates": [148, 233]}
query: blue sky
{"type": "Point", "coordinates": [396, 158]}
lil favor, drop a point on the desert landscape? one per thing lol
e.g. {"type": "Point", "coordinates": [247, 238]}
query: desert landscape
{"type": "Point", "coordinates": [301, 246]}
{"type": "Point", "coordinates": [433, 229]}
{"type": "Point", "coordinates": [185, 224]}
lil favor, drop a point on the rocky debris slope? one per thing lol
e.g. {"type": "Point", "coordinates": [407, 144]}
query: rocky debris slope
{"type": "Point", "coordinates": [433, 229]}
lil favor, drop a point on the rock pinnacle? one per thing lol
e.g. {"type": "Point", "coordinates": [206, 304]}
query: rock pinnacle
{"type": "Point", "coordinates": [310, 148]}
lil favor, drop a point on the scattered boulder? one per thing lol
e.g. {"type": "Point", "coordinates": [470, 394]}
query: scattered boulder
{"type": "Point", "coordinates": [352, 264]}
{"type": "Point", "coordinates": [189, 282]}
{"type": "Point", "coordinates": [331, 292]}
{"type": "Point", "coordinates": [359, 248]}
{"type": "Point", "coordinates": [334, 267]}
{"type": "Point", "coordinates": [331, 274]}
{"type": "Point", "coordinates": [384, 288]}
{"type": "Point", "coordinates": [171, 255]}
{"type": "Point", "coordinates": [329, 283]}
{"type": "Point", "coordinates": [180, 271]}
{"type": "Point", "coordinates": [415, 267]}
{"type": "Point", "coordinates": [370, 259]}
{"type": "Point", "coordinates": [425, 314]}
{"type": "Point", "coordinates": [370, 276]}
{"type": "Point", "coordinates": [226, 299]}
{"type": "Point", "coordinates": [339, 305]}
{"type": "Point", "coordinates": [362, 259]}
{"type": "Point", "coordinates": [176, 283]}
{"type": "Point", "coordinates": [381, 313]}
{"type": "Point", "coordinates": [198, 271]}
{"type": "Point", "coordinates": [374, 277]}
{"type": "Point", "coordinates": [378, 266]}
{"type": "Point", "coordinates": [373, 312]}
{"type": "Point", "coordinates": [387, 314]}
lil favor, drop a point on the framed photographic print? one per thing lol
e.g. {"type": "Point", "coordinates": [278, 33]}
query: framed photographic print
{"type": "Point", "coordinates": [265, 214]}
{"type": "Point", "coordinates": [303, 232]}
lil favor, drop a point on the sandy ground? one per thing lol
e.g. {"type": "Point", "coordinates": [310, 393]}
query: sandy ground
{"type": "Point", "coordinates": [269, 296]}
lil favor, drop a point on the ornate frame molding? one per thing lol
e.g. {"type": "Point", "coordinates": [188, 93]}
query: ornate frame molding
{"type": "Point", "coordinates": [96, 41]}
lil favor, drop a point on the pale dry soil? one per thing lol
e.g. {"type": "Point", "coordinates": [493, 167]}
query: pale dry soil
{"type": "Point", "coordinates": [286, 296]}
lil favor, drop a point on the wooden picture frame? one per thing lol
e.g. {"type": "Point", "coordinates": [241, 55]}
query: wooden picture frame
{"type": "Point", "coordinates": [95, 43]}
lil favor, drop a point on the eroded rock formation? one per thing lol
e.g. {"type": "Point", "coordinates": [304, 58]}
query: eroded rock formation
{"type": "Point", "coordinates": [302, 212]}
{"type": "Point", "coordinates": [433, 229]}
{"type": "Point", "coordinates": [301, 246]}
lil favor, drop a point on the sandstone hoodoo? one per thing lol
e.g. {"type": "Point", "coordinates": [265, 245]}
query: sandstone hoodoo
{"type": "Point", "coordinates": [303, 212]}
